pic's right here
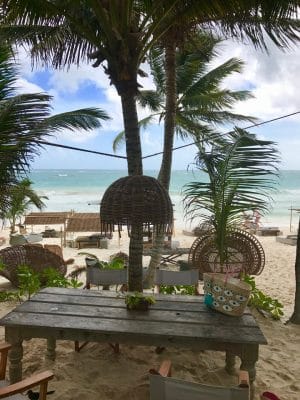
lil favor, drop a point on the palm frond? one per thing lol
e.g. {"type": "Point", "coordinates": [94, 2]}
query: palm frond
{"type": "Point", "coordinates": [119, 140]}
{"type": "Point", "coordinates": [241, 175]}
{"type": "Point", "coordinates": [86, 119]}
{"type": "Point", "coordinates": [151, 99]}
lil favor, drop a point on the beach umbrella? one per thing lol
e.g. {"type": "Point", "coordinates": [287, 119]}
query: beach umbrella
{"type": "Point", "coordinates": [136, 200]}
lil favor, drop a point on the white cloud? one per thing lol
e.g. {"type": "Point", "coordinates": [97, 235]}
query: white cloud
{"type": "Point", "coordinates": [273, 77]}
{"type": "Point", "coordinates": [24, 86]}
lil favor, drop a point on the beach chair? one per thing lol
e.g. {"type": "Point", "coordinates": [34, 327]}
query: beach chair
{"type": "Point", "coordinates": [14, 391]}
{"type": "Point", "coordinates": [173, 278]}
{"type": "Point", "coordinates": [102, 277]}
{"type": "Point", "coordinates": [163, 387]}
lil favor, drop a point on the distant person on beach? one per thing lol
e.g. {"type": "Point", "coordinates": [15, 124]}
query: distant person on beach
{"type": "Point", "coordinates": [252, 221]}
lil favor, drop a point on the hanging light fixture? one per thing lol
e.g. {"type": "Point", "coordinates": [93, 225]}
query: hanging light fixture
{"type": "Point", "coordinates": [136, 200]}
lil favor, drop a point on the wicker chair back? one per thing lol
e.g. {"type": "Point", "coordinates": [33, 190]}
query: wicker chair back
{"type": "Point", "coordinates": [34, 256]}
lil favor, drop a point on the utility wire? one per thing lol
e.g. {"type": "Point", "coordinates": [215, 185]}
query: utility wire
{"type": "Point", "coordinates": [226, 133]}
{"type": "Point", "coordinates": [79, 149]}
{"type": "Point", "coordinates": [161, 152]}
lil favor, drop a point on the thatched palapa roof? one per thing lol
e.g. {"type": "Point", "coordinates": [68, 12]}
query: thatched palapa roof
{"type": "Point", "coordinates": [46, 218]}
{"type": "Point", "coordinates": [84, 222]}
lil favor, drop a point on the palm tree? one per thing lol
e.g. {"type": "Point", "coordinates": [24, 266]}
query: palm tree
{"type": "Point", "coordinates": [201, 103]}
{"type": "Point", "coordinates": [241, 175]}
{"type": "Point", "coordinates": [118, 35]}
{"type": "Point", "coordinates": [24, 120]}
{"type": "Point", "coordinates": [22, 196]}
{"type": "Point", "coordinates": [200, 99]}
{"type": "Point", "coordinates": [295, 318]}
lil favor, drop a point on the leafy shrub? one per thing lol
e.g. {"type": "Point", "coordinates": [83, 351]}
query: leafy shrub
{"type": "Point", "coordinates": [262, 301]}
{"type": "Point", "coordinates": [177, 289]}
{"type": "Point", "coordinates": [29, 281]}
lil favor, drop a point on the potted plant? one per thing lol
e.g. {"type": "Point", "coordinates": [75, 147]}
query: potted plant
{"type": "Point", "coordinates": [240, 169]}
{"type": "Point", "coordinates": [138, 301]}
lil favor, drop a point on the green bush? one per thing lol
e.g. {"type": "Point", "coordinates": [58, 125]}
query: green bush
{"type": "Point", "coordinates": [262, 301]}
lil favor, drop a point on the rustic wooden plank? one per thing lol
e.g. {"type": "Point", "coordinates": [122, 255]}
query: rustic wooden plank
{"type": "Point", "coordinates": [162, 303]}
{"type": "Point", "coordinates": [137, 330]}
{"type": "Point", "coordinates": [112, 294]}
{"type": "Point", "coordinates": [195, 317]}
{"type": "Point", "coordinates": [113, 302]}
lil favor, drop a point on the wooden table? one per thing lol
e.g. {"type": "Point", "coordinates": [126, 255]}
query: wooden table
{"type": "Point", "coordinates": [101, 316]}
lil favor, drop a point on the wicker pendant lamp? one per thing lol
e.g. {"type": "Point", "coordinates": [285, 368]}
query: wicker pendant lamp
{"type": "Point", "coordinates": [136, 200]}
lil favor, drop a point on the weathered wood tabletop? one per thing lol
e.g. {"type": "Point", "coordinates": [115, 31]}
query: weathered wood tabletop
{"type": "Point", "coordinates": [101, 316]}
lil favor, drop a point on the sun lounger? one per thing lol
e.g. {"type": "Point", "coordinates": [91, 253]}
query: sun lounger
{"type": "Point", "coordinates": [169, 256]}
{"type": "Point", "coordinates": [268, 231]}
{"type": "Point", "coordinates": [289, 239]}
{"type": "Point", "coordinates": [16, 239]}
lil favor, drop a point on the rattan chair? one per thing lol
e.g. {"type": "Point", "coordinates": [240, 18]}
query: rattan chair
{"type": "Point", "coordinates": [163, 387]}
{"type": "Point", "coordinates": [13, 391]}
{"type": "Point", "coordinates": [56, 249]}
{"type": "Point", "coordinates": [36, 257]}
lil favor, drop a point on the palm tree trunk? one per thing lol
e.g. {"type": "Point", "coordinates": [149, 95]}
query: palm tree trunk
{"type": "Point", "coordinates": [135, 268]}
{"type": "Point", "coordinates": [134, 163]}
{"type": "Point", "coordinates": [132, 133]}
{"type": "Point", "coordinates": [164, 175]}
{"type": "Point", "coordinates": [295, 318]}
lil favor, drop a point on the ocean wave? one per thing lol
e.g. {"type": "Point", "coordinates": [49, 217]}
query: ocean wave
{"type": "Point", "coordinates": [62, 174]}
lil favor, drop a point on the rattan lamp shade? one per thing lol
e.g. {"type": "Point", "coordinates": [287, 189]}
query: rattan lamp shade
{"type": "Point", "coordinates": [136, 200]}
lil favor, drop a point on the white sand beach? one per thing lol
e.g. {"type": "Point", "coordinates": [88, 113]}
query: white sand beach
{"type": "Point", "coordinates": [97, 373]}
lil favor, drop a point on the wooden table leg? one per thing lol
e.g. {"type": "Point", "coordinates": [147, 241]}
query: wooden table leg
{"type": "Point", "coordinates": [15, 355]}
{"type": "Point", "coordinates": [51, 345]}
{"type": "Point", "coordinates": [249, 356]}
{"type": "Point", "coordinates": [230, 363]}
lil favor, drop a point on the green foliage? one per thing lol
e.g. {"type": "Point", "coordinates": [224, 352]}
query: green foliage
{"type": "Point", "coordinates": [133, 301]}
{"type": "Point", "coordinates": [241, 172]}
{"type": "Point", "coordinates": [177, 289]}
{"type": "Point", "coordinates": [202, 103]}
{"type": "Point", "coordinates": [24, 120]}
{"type": "Point", "coordinates": [54, 278]}
{"type": "Point", "coordinates": [262, 301]}
{"type": "Point", "coordinates": [21, 196]}
{"type": "Point", "coordinates": [29, 281]}
{"type": "Point", "coordinates": [9, 296]}
{"type": "Point", "coordinates": [2, 265]}
{"type": "Point", "coordinates": [116, 263]}
{"type": "Point", "coordinates": [74, 283]}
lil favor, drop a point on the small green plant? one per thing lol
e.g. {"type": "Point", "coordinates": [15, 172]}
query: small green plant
{"type": "Point", "coordinates": [29, 281]}
{"type": "Point", "coordinates": [138, 301]}
{"type": "Point", "coordinates": [262, 301]}
{"type": "Point", "coordinates": [116, 263]}
{"type": "Point", "coordinates": [74, 283]}
{"type": "Point", "coordinates": [2, 265]}
{"type": "Point", "coordinates": [54, 278]}
{"type": "Point", "coordinates": [177, 289]}
{"type": "Point", "coordinates": [9, 296]}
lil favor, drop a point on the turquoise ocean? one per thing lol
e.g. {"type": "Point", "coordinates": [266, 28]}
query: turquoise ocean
{"type": "Point", "coordinates": [81, 190]}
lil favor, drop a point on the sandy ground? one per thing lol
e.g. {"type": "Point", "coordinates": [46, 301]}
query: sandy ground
{"type": "Point", "coordinates": [97, 373]}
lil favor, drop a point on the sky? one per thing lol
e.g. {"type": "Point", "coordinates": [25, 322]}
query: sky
{"type": "Point", "coordinates": [273, 79]}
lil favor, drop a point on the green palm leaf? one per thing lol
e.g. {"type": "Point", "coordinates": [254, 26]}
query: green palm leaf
{"type": "Point", "coordinates": [241, 173]}
{"type": "Point", "coordinates": [24, 120]}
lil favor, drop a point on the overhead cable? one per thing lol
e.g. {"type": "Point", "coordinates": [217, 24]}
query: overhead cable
{"type": "Point", "coordinates": [44, 142]}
